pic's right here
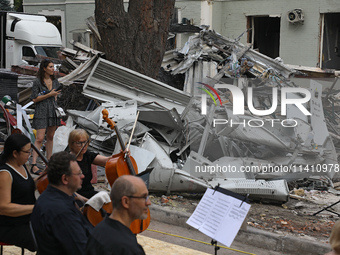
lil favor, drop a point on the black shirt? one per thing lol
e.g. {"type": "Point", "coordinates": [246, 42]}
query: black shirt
{"type": "Point", "coordinates": [110, 237]}
{"type": "Point", "coordinates": [87, 189]}
{"type": "Point", "coordinates": [59, 226]}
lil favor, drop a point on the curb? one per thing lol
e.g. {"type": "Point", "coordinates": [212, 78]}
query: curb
{"type": "Point", "coordinates": [251, 236]}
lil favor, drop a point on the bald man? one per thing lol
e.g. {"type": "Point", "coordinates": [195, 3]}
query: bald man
{"type": "Point", "coordinates": [130, 201]}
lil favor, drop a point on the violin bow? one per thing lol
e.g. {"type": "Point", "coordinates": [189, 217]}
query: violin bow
{"type": "Point", "coordinates": [87, 142]}
{"type": "Point", "coordinates": [19, 131]}
{"type": "Point", "coordinates": [133, 130]}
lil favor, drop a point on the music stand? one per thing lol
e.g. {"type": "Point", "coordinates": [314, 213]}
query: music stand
{"type": "Point", "coordinates": [328, 210]}
{"type": "Point", "coordinates": [217, 209]}
{"type": "Point", "coordinates": [214, 243]}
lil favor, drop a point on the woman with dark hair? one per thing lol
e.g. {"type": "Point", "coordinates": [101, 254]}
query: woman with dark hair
{"type": "Point", "coordinates": [17, 188]}
{"type": "Point", "coordinates": [45, 90]}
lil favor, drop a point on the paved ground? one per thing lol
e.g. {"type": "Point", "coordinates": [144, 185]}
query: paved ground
{"type": "Point", "coordinates": [189, 239]}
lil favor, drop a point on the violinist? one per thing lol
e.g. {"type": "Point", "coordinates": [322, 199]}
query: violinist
{"type": "Point", "coordinates": [78, 141]}
{"type": "Point", "coordinates": [58, 224]}
{"type": "Point", "coordinates": [130, 201]}
{"type": "Point", "coordinates": [16, 192]}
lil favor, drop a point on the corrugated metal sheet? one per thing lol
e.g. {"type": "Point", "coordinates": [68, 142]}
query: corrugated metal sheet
{"type": "Point", "coordinates": [111, 82]}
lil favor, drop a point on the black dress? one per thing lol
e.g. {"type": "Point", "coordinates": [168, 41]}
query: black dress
{"type": "Point", "coordinates": [44, 115]}
{"type": "Point", "coordinates": [16, 230]}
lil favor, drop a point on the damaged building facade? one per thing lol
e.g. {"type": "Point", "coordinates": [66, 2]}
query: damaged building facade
{"type": "Point", "coordinates": [301, 33]}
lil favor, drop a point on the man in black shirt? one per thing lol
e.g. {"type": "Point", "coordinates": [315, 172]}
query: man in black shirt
{"type": "Point", "coordinates": [130, 201]}
{"type": "Point", "coordinates": [59, 226]}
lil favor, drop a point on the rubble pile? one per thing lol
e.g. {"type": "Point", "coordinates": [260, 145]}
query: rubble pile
{"type": "Point", "coordinates": [230, 57]}
{"type": "Point", "coordinates": [194, 139]}
{"type": "Point", "coordinates": [187, 146]}
{"type": "Point", "coordinates": [297, 216]}
{"type": "Point", "coordinates": [72, 58]}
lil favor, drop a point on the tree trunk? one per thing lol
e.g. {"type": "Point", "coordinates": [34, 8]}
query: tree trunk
{"type": "Point", "coordinates": [137, 38]}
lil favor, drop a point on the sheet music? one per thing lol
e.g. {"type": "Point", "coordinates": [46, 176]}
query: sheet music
{"type": "Point", "coordinates": [219, 216]}
{"type": "Point", "coordinates": [202, 210]}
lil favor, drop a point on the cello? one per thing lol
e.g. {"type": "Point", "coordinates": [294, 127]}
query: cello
{"type": "Point", "coordinates": [123, 164]}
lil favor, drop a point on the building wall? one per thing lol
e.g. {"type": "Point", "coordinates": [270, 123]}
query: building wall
{"type": "Point", "coordinates": [299, 43]}
{"type": "Point", "coordinates": [76, 11]}
{"type": "Point", "coordinates": [73, 14]}
{"type": "Point", "coordinates": [76, 19]}
{"type": "Point", "coordinates": [190, 10]}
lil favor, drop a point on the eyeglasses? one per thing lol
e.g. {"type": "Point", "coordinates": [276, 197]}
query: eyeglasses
{"type": "Point", "coordinates": [80, 173]}
{"type": "Point", "coordinates": [146, 198]}
{"type": "Point", "coordinates": [80, 143]}
{"type": "Point", "coordinates": [28, 152]}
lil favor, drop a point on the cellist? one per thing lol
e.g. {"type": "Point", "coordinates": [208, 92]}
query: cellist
{"type": "Point", "coordinates": [130, 201]}
{"type": "Point", "coordinates": [78, 141]}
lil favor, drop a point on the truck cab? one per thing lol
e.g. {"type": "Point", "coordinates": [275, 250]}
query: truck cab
{"type": "Point", "coordinates": [26, 39]}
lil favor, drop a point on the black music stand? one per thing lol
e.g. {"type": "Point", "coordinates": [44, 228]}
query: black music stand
{"type": "Point", "coordinates": [214, 243]}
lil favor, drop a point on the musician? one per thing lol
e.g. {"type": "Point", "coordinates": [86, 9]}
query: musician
{"type": "Point", "coordinates": [59, 226]}
{"type": "Point", "coordinates": [76, 141]}
{"type": "Point", "coordinates": [130, 201]}
{"type": "Point", "coordinates": [16, 192]}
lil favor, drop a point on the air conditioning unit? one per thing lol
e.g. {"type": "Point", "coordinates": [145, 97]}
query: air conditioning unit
{"type": "Point", "coordinates": [295, 16]}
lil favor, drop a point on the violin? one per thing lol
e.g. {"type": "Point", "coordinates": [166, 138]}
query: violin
{"type": "Point", "coordinates": [120, 164]}
{"type": "Point", "coordinates": [42, 180]}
